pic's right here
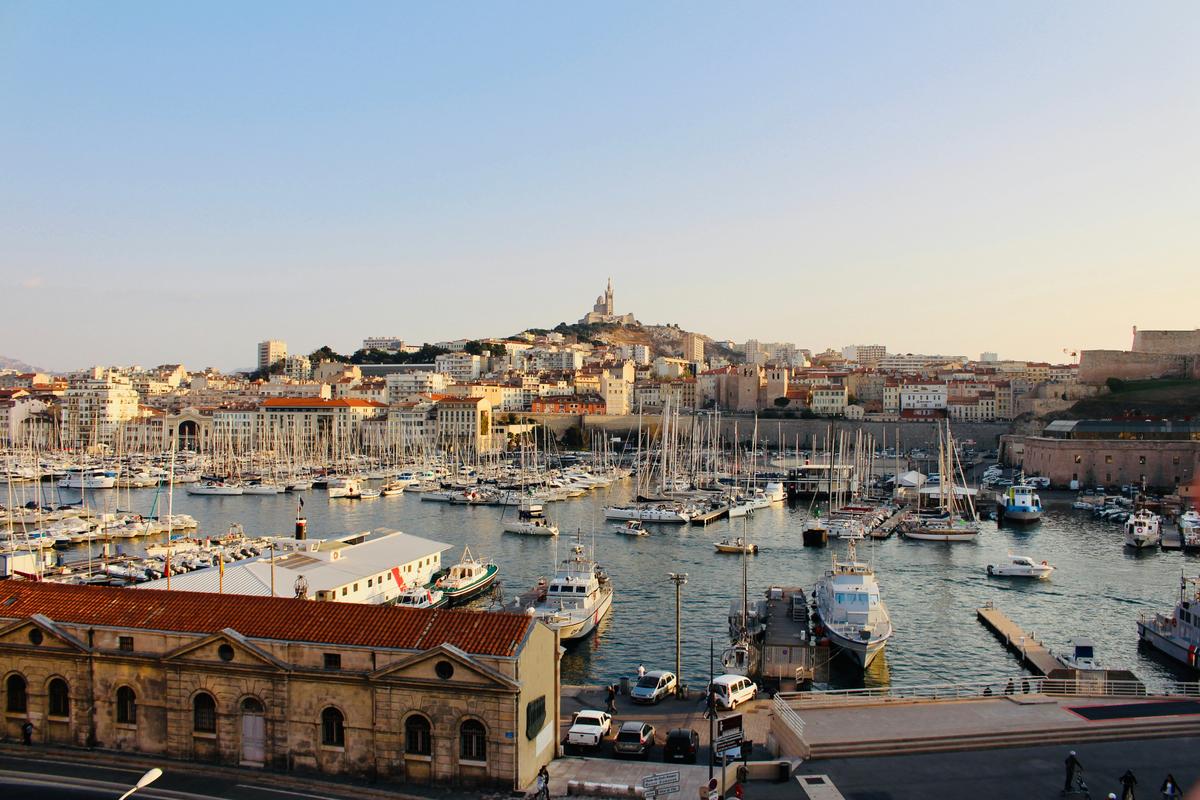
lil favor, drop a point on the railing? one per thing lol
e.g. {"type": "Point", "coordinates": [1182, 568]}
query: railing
{"type": "Point", "coordinates": [787, 715]}
{"type": "Point", "coordinates": [1084, 685]}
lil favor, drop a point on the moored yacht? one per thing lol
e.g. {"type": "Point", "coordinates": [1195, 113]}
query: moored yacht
{"type": "Point", "coordinates": [531, 521]}
{"type": "Point", "coordinates": [579, 596]}
{"type": "Point", "coordinates": [88, 479]}
{"type": "Point", "coordinates": [658, 513]}
{"type": "Point", "coordinates": [215, 488]}
{"type": "Point", "coordinates": [851, 610]}
{"type": "Point", "coordinates": [347, 488]}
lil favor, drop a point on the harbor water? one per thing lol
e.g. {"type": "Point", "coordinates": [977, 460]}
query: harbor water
{"type": "Point", "coordinates": [931, 589]}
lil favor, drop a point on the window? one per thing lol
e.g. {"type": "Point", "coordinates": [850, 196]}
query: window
{"type": "Point", "coordinates": [59, 699]}
{"type": "Point", "coordinates": [1175, 460]}
{"type": "Point", "coordinates": [333, 661]}
{"type": "Point", "coordinates": [1141, 459]}
{"type": "Point", "coordinates": [1078, 459]}
{"type": "Point", "coordinates": [472, 740]}
{"type": "Point", "coordinates": [125, 643]}
{"type": "Point", "coordinates": [1108, 459]}
{"type": "Point", "coordinates": [535, 717]}
{"type": "Point", "coordinates": [15, 688]}
{"type": "Point", "coordinates": [417, 739]}
{"type": "Point", "coordinates": [126, 706]}
{"type": "Point", "coordinates": [333, 728]}
{"type": "Point", "coordinates": [343, 591]}
{"type": "Point", "coordinates": [252, 705]}
{"type": "Point", "coordinates": [204, 713]}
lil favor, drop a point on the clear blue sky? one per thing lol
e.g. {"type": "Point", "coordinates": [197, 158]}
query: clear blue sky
{"type": "Point", "coordinates": [180, 180]}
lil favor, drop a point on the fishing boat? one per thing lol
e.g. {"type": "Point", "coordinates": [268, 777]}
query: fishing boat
{"type": "Point", "coordinates": [1177, 635]}
{"type": "Point", "coordinates": [369, 494]}
{"type": "Point", "coordinates": [1143, 530]}
{"type": "Point", "coordinates": [736, 545]}
{"type": "Point", "coordinates": [392, 488]}
{"type": "Point", "coordinates": [1020, 567]}
{"type": "Point", "coordinates": [1019, 503]}
{"type": "Point", "coordinates": [631, 528]}
{"type": "Point", "coordinates": [579, 596]}
{"type": "Point", "coordinates": [467, 579]}
{"type": "Point", "coordinates": [852, 612]}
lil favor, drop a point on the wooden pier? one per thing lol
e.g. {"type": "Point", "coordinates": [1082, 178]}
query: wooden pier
{"type": "Point", "coordinates": [884, 529]}
{"type": "Point", "coordinates": [1172, 538]}
{"type": "Point", "coordinates": [711, 516]}
{"type": "Point", "coordinates": [1033, 654]}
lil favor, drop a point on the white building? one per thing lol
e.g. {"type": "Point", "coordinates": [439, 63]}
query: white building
{"type": "Point", "coordinates": [640, 354]}
{"type": "Point", "coordinates": [388, 344]}
{"type": "Point", "coordinates": [829, 401]}
{"type": "Point", "coordinates": [270, 352]}
{"type": "Point", "coordinates": [461, 367]}
{"type": "Point", "coordinates": [94, 408]}
{"type": "Point", "coordinates": [556, 360]}
{"type": "Point", "coordinates": [297, 367]}
{"type": "Point", "coordinates": [403, 386]}
{"type": "Point", "coordinates": [924, 396]}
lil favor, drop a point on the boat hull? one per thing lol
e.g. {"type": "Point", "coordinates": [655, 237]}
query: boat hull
{"type": "Point", "coordinates": [862, 652]}
{"type": "Point", "coordinates": [579, 629]}
{"type": "Point", "coordinates": [940, 535]}
{"type": "Point", "coordinates": [470, 592]}
{"type": "Point", "coordinates": [1169, 647]}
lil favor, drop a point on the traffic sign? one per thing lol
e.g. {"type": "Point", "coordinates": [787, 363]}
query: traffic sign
{"type": "Point", "coordinates": [729, 733]}
{"type": "Point", "coordinates": [660, 779]}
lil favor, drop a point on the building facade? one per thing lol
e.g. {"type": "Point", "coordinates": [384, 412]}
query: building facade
{"type": "Point", "coordinates": [412, 695]}
{"type": "Point", "coordinates": [270, 352]}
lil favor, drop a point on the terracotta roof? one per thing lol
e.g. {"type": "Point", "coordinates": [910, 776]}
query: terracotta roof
{"type": "Point", "coordinates": [317, 402]}
{"type": "Point", "coordinates": [280, 618]}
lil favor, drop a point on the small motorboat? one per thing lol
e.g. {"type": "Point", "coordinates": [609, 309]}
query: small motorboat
{"type": "Point", "coordinates": [1082, 655]}
{"type": "Point", "coordinates": [633, 527]}
{"type": "Point", "coordinates": [738, 545]}
{"type": "Point", "coordinates": [392, 488]}
{"type": "Point", "coordinates": [1020, 567]}
{"type": "Point", "coordinates": [369, 494]}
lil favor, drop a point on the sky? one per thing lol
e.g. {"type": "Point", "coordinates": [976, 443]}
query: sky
{"type": "Point", "coordinates": [181, 180]}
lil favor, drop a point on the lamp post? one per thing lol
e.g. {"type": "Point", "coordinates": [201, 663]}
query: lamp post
{"type": "Point", "coordinates": [679, 579]}
{"type": "Point", "coordinates": [144, 781]}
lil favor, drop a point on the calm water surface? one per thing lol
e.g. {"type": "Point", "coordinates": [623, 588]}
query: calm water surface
{"type": "Point", "coordinates": [931, 589]}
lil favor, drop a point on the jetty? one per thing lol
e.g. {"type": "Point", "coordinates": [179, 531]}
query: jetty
{"type": "Point", "coordinates": [710, 516]}
{"type": "Point", "coordinates": [1033, 654]}
{"type": "Point", "coordinates": [1172, 538]}
{"type": "Point", "coordinates": [884, 529]}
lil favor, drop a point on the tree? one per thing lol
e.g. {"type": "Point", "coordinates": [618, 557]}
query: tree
{"type": "Point", "coordinates": [573, 438]}
{"type": "Point", "coordinates": [1114, 385]}
{"type": "Point", "coordinates": [781, 402]}
{"type": "Point", "coordinates": [327, 353]}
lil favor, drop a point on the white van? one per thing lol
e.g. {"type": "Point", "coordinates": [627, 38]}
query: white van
{"type": "Point", "coordinates": [732, 690]}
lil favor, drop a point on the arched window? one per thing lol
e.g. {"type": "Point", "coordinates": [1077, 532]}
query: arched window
{"type": "Point", "coordinates": [204, 713]}
{"type": "Point", "coordinates": [252, 705]}
{"type": "Point", "coordinates": [60, 698]}
{"type": "Point", "coordinates": [472, 741]}
{"type": "Point", "coordinates": [417, 738]}
{"type": "Point", "coordinates": [333, 728]}
{"type": "Point", "coordinates": [126, 706]}
{"type": "Point", "coordinates": [15, 689]}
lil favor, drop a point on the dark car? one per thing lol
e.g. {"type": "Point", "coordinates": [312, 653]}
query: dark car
{"type": "Point", "coordinates": [634, 739]}
{"type": "Point", "coordinates": [682, 745]}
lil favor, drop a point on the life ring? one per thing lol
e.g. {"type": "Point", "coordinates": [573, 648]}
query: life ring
{"type": "Point", "coordinates": [1044, 564]}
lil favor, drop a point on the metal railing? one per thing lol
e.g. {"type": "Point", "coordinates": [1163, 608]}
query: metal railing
{"type": "Point", "coordinates": [1082, 686]}
{"type": "Point", "coordinates": [787, 715]}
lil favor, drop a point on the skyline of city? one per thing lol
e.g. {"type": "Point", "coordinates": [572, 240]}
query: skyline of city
{"type": "Point", "coordinates": [929, 177]}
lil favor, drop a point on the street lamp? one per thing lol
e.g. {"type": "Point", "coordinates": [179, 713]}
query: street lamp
{"type": "Point", "coordinates": [144, 781]}
{"type": "Point", "coordinates": [679, 579]}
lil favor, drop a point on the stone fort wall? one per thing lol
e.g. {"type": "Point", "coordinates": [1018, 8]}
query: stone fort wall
{"type": "Point", "coordinates": [1097, 366]}
{"type": "Point", "coordinates": [1180, 343]}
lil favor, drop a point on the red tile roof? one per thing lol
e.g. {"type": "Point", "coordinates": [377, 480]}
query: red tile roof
{"type": "Point", "coordinates": [317, 402]}
{"type": "Point", "coordinates": [280, 618]}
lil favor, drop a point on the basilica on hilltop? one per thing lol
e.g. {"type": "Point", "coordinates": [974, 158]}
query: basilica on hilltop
{"type": "Point", "coordinates": [603, 311]}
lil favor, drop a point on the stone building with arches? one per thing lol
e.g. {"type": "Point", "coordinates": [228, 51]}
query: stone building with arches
{"type": "Point", "coordinates": [406, 695]}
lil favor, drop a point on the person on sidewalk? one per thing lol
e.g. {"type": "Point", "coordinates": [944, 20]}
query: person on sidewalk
{"type": "Point", "coordinates": [543, 784]}
{"type": "Point", "coordinates": [611, 708]}
{"type": "Point", "coordinates": [641, 671]}
{"type": "Point", "coordinates": [27, 733]}
{"type": "Point", "coordinates": [1128, 781]}
{"type": "Point", "coordinates": [1074, 769]}
{"type": "Point", "coordinates": [1170, 788]}
{"type": "Point", "coordinates": [710, 702]}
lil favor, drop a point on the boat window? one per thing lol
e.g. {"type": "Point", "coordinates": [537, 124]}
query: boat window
{"type": "Point", "coordinates": [581, 588]}
{"type": "Point", "coordinates": [553, 588]}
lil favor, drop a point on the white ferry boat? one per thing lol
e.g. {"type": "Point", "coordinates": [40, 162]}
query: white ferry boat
{"type": "Point", "coordinates": [851, 610]}
{"type": "Point", "coordinates": [1177, 635]}
{"type": "Point", "coordinates": [577, 599]}
{"type": "Point", "coordinates": [1143, 530]}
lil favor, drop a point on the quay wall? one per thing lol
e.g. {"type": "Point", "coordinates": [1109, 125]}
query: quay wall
{"type": "Point", "coordinates": [912, 434]}
{"type": "Point", "coordinates": [1183, 343]}
{"type": "Point", "coordinates": [1097, 366]}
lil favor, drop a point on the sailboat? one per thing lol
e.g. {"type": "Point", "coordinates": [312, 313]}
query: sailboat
{"type": "Point", "coordinates": [742, 656]}
{"type": "Point", "coordinates": [956, 520]}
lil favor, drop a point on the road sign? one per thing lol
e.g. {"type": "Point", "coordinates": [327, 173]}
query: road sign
{"type": "Point", "coordinates": [729, 733]}
{"type": "Point", "coordinates": [660, 779]}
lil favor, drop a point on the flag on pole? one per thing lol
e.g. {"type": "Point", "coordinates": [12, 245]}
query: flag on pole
{"type": "Point", "coordinates": [301, 499]}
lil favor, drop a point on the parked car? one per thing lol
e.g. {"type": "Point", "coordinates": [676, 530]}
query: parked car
{"type": "Point", "coordinates": [682, 745]}
{"type": "Point", "coordinates": [653, 687]}
{"type": "Point", "coordinates": [634, 739]}
{"type": "Point", "coordinates": [732, 690]}
{"type": "Point", "coordinates": [588, 728]}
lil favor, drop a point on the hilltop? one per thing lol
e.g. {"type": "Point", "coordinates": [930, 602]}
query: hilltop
{"type": "Point", "coordinates": [18, 365]}
{"type": "Point", "coordinates": [663, 340]}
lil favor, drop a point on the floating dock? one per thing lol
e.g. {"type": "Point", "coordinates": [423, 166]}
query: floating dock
{"type": "Point", "coordinates": [710, 516]}
{"type": "Point", "coordinates": [1172, 539]}
{"type": "Point", "coordinates": [884, 529]}
{"type": "Point", "coordinates": [1033, 654]}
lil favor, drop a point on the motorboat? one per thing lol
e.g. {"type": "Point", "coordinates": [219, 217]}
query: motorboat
{"type": "Point", "coordinates": [1019, 503]}
{"type": "Point", "coordinates": [815, 533]}
{"type": "Point", "coordinates": [1082, 655]}
{"type": "Point", "coordinates": [1189, 530]}
{"type": "Point", "coordinates": [774, 492]}
{"type": "Point", "coordinates": [1020, 567]}
{"type": "Point", "coordinates": [531, 520]}
{"type": "Point", "coordinates": [420, 597]}
{"type": "Point", "coordinates": [347, 488]}
{"type": "Point", "coordinates": [852, 612]}
{"type": "Point", "coordinates": [632, 527]}
{"type": "Point", "coordinates": [369, 494]}
{"type": "Point", "coordinates": [1177, 635]}
{"type": "Point", "coordinates": [1143, 530]}
{"type": "Point", "coordinates": [218, 488]}
{"type": "Point", "coordinates": [738, 545]}
{"type": "Point", "coordinates": [88, 479]}
{"type": "Point", "coordinates": [467, 579]}
{"type": "Point", "coordinates": [577, 599]}
{"type": "Point", "coordinates": [392, 488]}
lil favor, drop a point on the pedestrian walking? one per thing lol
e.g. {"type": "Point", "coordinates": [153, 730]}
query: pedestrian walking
{"type": "Point", "coordinates": [27, 733]}
{"type": "Point", "coordinates": [1074, 770]}
{"type": "Point", "coordinates": [543, 784]}
{"type": "Point", "coordinates": [641, 671]}
{"type": "Point", "coordinates": [710, 703]}
{"type": "Point", "coordinates": [1170, 788]}
{"type": "Point", "coordinates": [612, 699]}
{"type": "Point", "coordinates": [1128, 781]}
